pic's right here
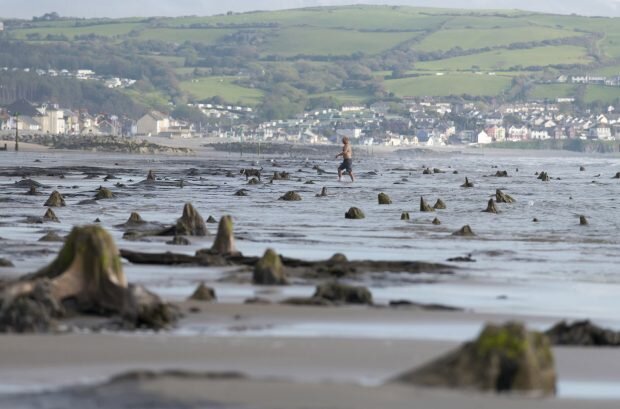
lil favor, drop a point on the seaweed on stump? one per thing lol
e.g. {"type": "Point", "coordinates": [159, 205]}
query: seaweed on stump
{"type": "Point", "coordinates": [203, 293]}
{"type": "Point", "coordinates": [404, 216]}
{"type": "Point", "coordinates": [191, 223]}
{"type": "Point", "coordinates": [290, 197]}
{"type": "Point", "coordinates": [135, 220]}
{"type": "Point", "coordinates": [425, 207]}
{"type": "Point", "coordinates": [384, 199]}
{"type": "Point", "coordinates": [501, 197]}
{"type": "Point", "coordinates": [583, 221]}
{"type": "Point", "coordinates": [491, 208]}
{"type": "Point", "coordinates": [439, 205]}
{"type": "Point", "coordinates": [211, 219]}
{"type": "Point", "coordinates": [354, 213]}
{"type": "Point", "coordinates": [55, 200]}
{"type": "Point", "coordinates": [343, 294]}
{"type": "Point", "coordinates": [50, 216]}
{"type": "Point", "coordinates": [467, 183]}
{"type": "Point", "coordinates": [150, 178]}
{"type": "Point", "coordinates": [506, 358]}
{"type": "Point", "coordinates": [104, 193]}
{"type": "Point", "coordinates": [616, 176]}
{"type": "Point", "coordinates": [501, 174]}
{"type": "Point", "coordinates": [427, 171]}
{"type": "Point", "coordinates": [436, 221]}
{"type": "Point", "coordinates": [225, 239]}
{"type": "Point", "coordinates": [544, 177]}
{"type": "Point", "coordinates": [465, 231]}
{"type": "Point", "coordinates": [269, 270]}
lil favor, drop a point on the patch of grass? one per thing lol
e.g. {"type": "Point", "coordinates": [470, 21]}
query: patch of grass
{"type": "Point", "coordinates": [152, 99]}
{"type": "Point", "coordinates": [171, 60]}
{"type": "Point", "coordinates": [506, 59]}
{"type": "Point", "coordinates": [446, 85]}
{"type": "Point", "coordinates": [553, 91]}
{"type": "Point", "coordinates": [204, 36]}
{"type": "Point", "coordinates": [224, 87]}
{"type": "Point", "coordinates": [105, 30]}
{"type": "Point", "coordinates": [347, 95]}
{"type": "Point", "coordinates": [321, 41]}
{"type": "Point", "coordinates": [480, 38]}
{"type": "Point", "coordinates": [601, 93]}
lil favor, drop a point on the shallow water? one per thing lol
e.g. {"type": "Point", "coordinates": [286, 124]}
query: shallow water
{"type": "Point", "coordinates": [553, 267]}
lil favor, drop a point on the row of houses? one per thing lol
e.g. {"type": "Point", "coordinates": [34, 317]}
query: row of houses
{"type": "Point", "coordinates": [83, 74]}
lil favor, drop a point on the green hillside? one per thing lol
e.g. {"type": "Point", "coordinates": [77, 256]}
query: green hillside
{"type": "Point", "coordinates": [282, 61]}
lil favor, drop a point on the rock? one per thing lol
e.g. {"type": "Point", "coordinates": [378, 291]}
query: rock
{"type": "Point", "coordinates": [241, 192]}
{"type": "Point", "coordinates": [50, 216]}
{"type": "Point", "coordinates": [211, 219]}
{"type": "Point", "coordinates": [291, 197]}
{"type": "Point", "coordinates": [465, 231]}
{"type": "Point", "coordinates": [150, 178]}
{"type": "Point", "coordinates": [225, 239]}
{"type": "Point", "coordinates": [456, 172]}
{"type": "Point", "coordinates": [404, 216]}
{"type": "Point", "coordinates": [436, 221]}
{"type": "Point", "coordinates": [427, 171]}
{"type": "Point", "coordinates": [462, 259]}
{"type": "Point", "coordinates": [354, 213]}
{"type": "Point", "coordinates": [583, 221]}
{"type": "Point", "coordinates": [257, 300]}
{"type": "Point", "coordinates": [501, 174]}
{"type": "Point", "coordinates": [384, 199]}
{"type": "Point", "coordinates": [269, 270]}
{"type": "Point", "coordinates": [179, 241]}
{"type": "Point", "coordinates": [32, 312]}
{"type": "Point", "coordinates": [544, 177]}
{"type": "Point", "coordinates": [436, 170]}
{"type": "Point", "coordinates": [535, 220]}
{"type": "Point", "coordinates": [422, 306]}
{"type": "Point", "coordinates": [343, 294]}
{"type": "Point", "coordinates": [6, 263]}
{"type": "Point", "coordinates": [501, 197]}
{"type": "Point", "coordinates": [308, 301]}
{"type": "Point", "coordinates": [203, 293]}
{"type": "Point", "coordinates": [505, 358]}
{"type": "Point", "coordinates": [425, 207]}
{"type": "Point", "coordinates": [582, 169]}
{"type": "Point", "coordinates": [55, 200]}
{"type": "Point", "coordinates": [491, 207]}
{"type": "Point", "coordinates": [29, 183]}
{"type": "Point", "coordinates": [323, 192]}
{"type": "Point", "coordinates": [439, 204]}
{"type": "Point", "coordinates": [309, 182]}
{"type": "Point", "coordinates": [582, 333]}
{"type": "Point", "coordinates": [253, 181]}
{"type": "Point", "coordinates": [467, 183]}
{"type": "Point", "coordinates": [104, 193]}
{"type": "Point", "coordinates": [190, 223]}
{"type": "Point", "coordinates": [51, 237]}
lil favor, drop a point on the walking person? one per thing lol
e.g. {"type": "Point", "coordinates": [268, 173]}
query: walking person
{"type": "Point", "coordinates": [347, 159]}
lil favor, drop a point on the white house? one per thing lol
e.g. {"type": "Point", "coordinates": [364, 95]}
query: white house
{"type": "Point", "coordinates": [483, 138]}
{"type": "Point", "coordinates": [153, 123]}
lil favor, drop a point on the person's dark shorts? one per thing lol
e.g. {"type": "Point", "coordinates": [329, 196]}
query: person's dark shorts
{"type": "Point", "coordinates": [346, 164]}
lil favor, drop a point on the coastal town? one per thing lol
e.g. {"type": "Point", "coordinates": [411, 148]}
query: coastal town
{"type": "Point", "coordinates": [427, 122]}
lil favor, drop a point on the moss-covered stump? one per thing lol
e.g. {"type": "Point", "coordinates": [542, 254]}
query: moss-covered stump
{"type": "Point", "coordinates": [354, 213]}
{"type": "Point", "coordinates": [134, 220]}
{"type": "Point", "coordinates": [32, 191]}
{"type": "Point", "coordinates": [501, 174]}
{"type": "Point", "coordinates": [6, 263]}
{"type": "Point", "coordinates": [241, 192]}
{"type": "Point", "coordinates": [425, 207]}
{"type": "Point", "coordinates": [439, 205]}
{"type": "Point", "coordinates": [191, 223]}
{"type": "Point", "coordinates": [55, 200]}
{"type": "Point", "coordinates": [427, 171]}
{"type": "Point", "coordinates": [467, 183]}
{"type": "Point", "coordinates": [582, 333]}
{"type": "Point", "coordinates": [583, 221]}
{"type": "Point", "coordinates": [104, 194]}
{"type": "Point", "coordinates": [465, 231]}
{"type": "Point", "coordinates": [544, 177]}
{"type": "Point", "coordinates": [491, 208]}
{"type": "Point", "coordinates": [506, 358]}
{"type": "Point", "coordinates": [269, 270]}
{"type": "Point", "coordinates": [50, 216]}
{"type": "Point", "coordinates": [203, 293]}
{"type": "Point", "coordinates": [290, 197]}
{"type": "Point", "coordinates": [281, 176]}
{"type": "Point", "coordinates": [384, 199]}
{"type": "Point", "coordinates": [338, 293]}
{"type": "Point", "coordinates": [225, 239]}
{"type": "Point", "coordinates": [405, 216]}
{"type": "Point", "coordinates": [323, 193]}
{"type": "Point", "coordinates": [179, 241]}
{"type": "Point", "coordinates": [150, 178]}
{"type": "Point", "coordinates": [616, 176]}
{"type": "Point", "coordinates": [253, 181]}
{"type": "Point", "coordinates": [582, 169]}
{"type": "Point", "coordinates": [35, 311]}
{"type": "Point", "coordinates": [51, 237]}
{"type": "Point", "coordinates": [501, 197]}
{"type": "Point", "coordinates": [436, 221]}
{"type": "Point", "coordinates": [211, 219]}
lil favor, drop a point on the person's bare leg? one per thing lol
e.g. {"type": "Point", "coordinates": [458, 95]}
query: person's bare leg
{"type": "Point", "coordinates": [339, 174]}
{"type": "Point", "coordinates": [352, 177]}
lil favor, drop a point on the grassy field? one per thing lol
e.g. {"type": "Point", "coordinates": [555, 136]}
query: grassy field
{"type": "Point", "coordinates": [321, 41]}
{"type": "Point", "coordinates": [505, 59]}
{"type": "Point", "coordinates": [480, 38]}
{"type": "Point", "coordinates": [347, 96]}
{"type": "Point", "coordinates": [552, 91]}
{"type": "Point", "coordinates": [601, 93]}
{"type": "Point", "coordinates": [453, 84]}
{"type": "Point", "coordinates": [203, 36]}
{"type": "Point", "coordinates": [105, 30]}
{"type": "Point", "coordinates": [171, 60]}
{"type": "Point", "coordinates": [224, 87]}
